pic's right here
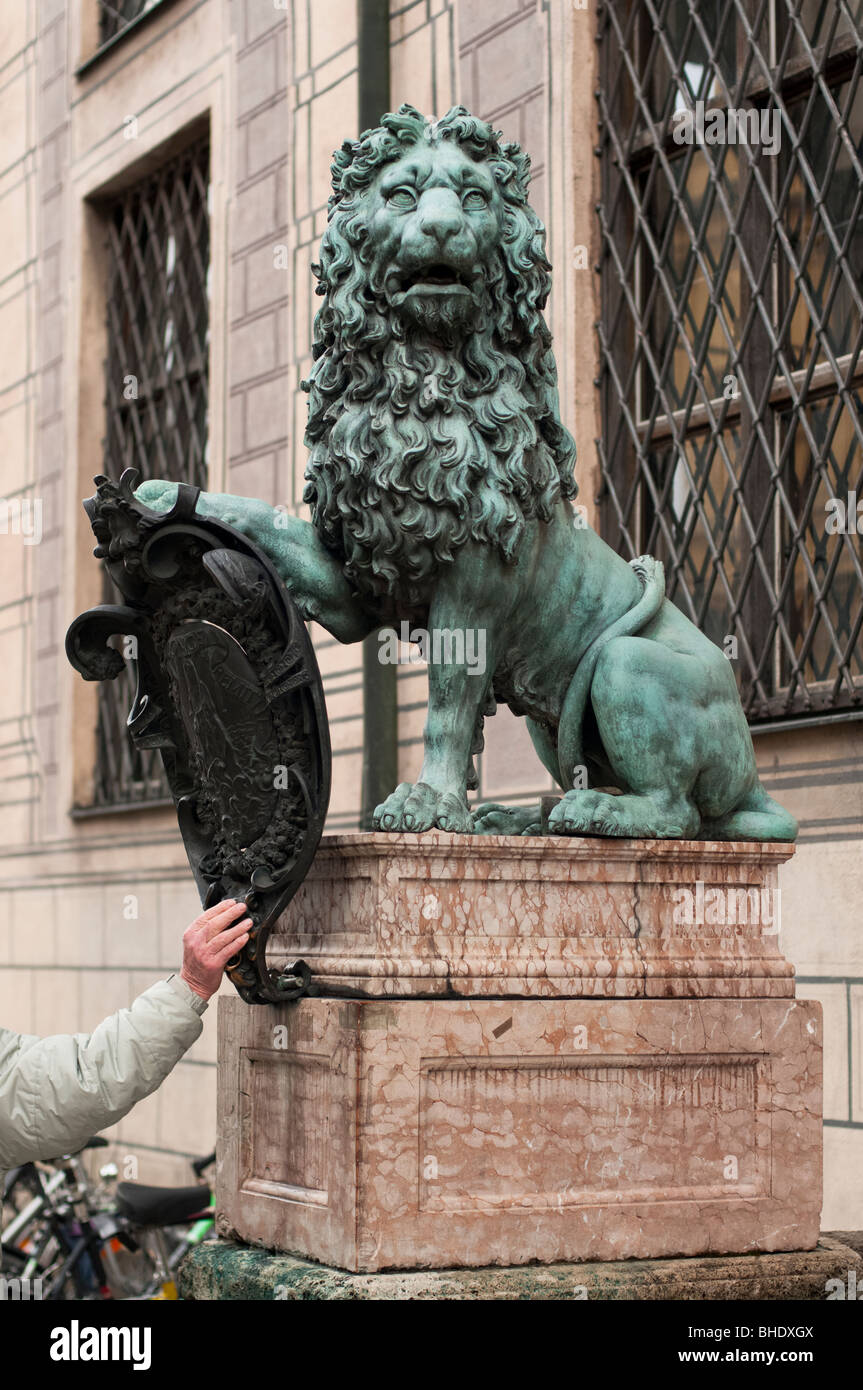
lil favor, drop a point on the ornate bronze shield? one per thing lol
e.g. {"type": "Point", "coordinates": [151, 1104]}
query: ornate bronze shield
{"type": "Point", "coordinates": [229, 692]}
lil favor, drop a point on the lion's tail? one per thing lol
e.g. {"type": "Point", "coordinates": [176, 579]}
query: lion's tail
{"type": "Point", "coordinates": [569, 742]}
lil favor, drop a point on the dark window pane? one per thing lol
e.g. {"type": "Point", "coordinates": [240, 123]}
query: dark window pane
{"type": "Point", "coordinates": [698, 531]}
{"type": "Point", "coordinates": [824, 216]}
{"type": "Point", "coordinates": [116, 15]}
{"type": "Point", "coordinates": [813, 24]}
{"type": "Point", "coordinates": [730, 275]}
{"type": "Point", "coordinates": [821, 575]}
{"type": "Point", "coordinates": [665, 55]}
{"type": "Point", "coordinates": [695, 56]}
{"type": "Point", "coordinates": [691, 309]}
{"type": "Point", "coordinates": [156, 378]}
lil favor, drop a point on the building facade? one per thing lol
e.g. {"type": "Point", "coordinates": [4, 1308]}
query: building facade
{"type": "Point", "coordinates": [163, 187]}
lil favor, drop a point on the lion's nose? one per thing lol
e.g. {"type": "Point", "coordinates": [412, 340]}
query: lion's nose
{"type": "Point", "coordinates": [439, 214]}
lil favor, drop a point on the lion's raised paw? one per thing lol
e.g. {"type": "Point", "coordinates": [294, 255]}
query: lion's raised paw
{"type": "Point", "coordinates": [415, 806]}
{"type": "Point", "coordinates": [158, 494]}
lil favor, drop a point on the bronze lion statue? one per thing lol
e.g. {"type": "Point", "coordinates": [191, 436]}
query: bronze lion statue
{"type": "Point", "coordinates": [440, 482]}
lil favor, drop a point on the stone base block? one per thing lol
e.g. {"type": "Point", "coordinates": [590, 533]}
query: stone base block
{"type": "Point", "coordinates": [225, 1271]}
{"type": "Point", "coordinates": [374, 1134]}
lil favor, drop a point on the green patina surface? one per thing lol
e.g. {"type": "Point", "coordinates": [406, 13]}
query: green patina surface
{"type": "Point", "coordinates": [225, 1271]}
{"type": "Point", "coordinates": [441, 489]}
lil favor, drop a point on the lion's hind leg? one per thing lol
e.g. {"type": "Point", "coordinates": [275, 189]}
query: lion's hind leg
{"type": "Point", "coordinates": [646, 816]}
{"type": "Point", "coordinates": [757, 817]}
{"type": "Point", "coordinates": [642, 696]}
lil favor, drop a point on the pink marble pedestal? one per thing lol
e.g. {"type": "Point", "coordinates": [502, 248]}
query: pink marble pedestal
{"type": "Point", "coordinates": [442, 915]}
{"type": "Point", "coordinates": [590, 1076]}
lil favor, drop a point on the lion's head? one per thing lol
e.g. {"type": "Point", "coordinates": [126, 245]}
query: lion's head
{"type": "Point", "coordinates": [433, 416]}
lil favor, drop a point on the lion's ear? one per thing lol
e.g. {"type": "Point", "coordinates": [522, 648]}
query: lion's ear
{"type": "Point", "coordinates": [344, 156]}
{"type": "Point", "coordinates": [342, 159]}
{"type": "Point", "coordinates": [521, 164]}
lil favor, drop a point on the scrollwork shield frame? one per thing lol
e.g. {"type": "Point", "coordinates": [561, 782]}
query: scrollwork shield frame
{"type": "Point", "coordinates": [228, 690]}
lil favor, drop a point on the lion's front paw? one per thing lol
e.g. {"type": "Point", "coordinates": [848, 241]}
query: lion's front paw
{"type": "Point", "coordinates": [417, 806]}
{"type": "Point", "coordinates": [157, 494]}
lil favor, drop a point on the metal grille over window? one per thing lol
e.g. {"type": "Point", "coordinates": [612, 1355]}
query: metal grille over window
{"type": "Point", "coordinates": [731, 226]}
{"type": "Point", "coordinates": [117, 15]}
{"type": "Point", "coordinates": [156, 377]}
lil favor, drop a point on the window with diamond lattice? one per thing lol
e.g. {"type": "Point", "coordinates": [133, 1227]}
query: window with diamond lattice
{"type": "Point", "coordinates": [731, 327]}
{"type": "Point", "coordinates": [156, 393]}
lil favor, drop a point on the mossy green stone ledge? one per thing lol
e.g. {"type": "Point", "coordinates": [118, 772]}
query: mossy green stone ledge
{"type": "Point", "coordinates": [226, 1271]}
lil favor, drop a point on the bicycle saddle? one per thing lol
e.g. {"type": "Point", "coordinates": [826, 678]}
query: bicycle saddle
{"type": "Point", "coordinates": [160, 1206]}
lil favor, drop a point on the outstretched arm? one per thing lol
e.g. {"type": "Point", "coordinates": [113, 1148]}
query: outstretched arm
{"type": "Point", "coordinates": [55, 1092]}
{"type": "Point", "coordinates": [314, 577]}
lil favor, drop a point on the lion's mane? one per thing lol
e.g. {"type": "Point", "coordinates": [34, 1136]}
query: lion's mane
{"type": "Point", "coordinates": [415, 447]}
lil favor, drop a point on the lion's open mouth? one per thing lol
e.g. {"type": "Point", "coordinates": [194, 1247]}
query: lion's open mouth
{"type": "Point", "coordinates": [435, 277]}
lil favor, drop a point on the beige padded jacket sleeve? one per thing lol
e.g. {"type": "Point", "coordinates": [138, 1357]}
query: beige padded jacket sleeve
{"type": "Point", "coordinates": [56, 1092]}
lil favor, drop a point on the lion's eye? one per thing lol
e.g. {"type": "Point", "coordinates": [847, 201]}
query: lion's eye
{"type": "Point", "coordinates": [403, 198]}
{"type": "Point", "coordinates": [474, 200]}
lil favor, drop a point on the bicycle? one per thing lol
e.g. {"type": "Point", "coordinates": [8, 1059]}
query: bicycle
{"type": "Point", "coordinates": [84, 1240]}
{"type": "Point", "coordinates": [165, 1222]}
{"type": "Point", "coordinates": [51, 1241]}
